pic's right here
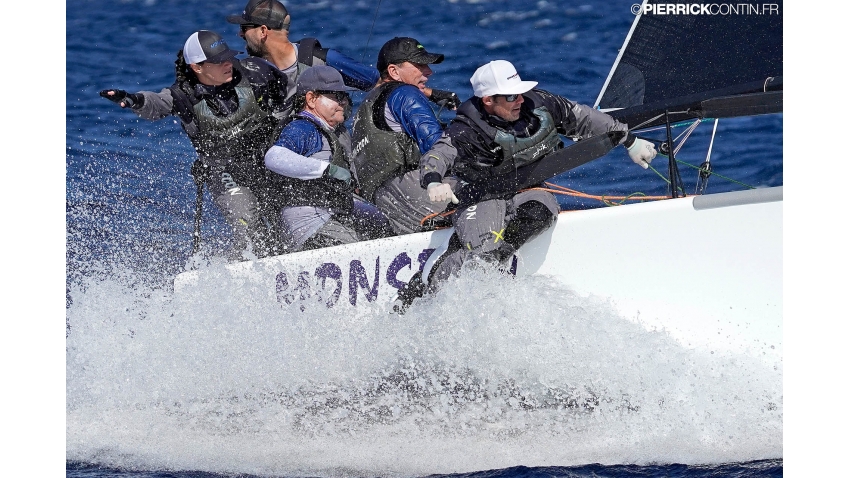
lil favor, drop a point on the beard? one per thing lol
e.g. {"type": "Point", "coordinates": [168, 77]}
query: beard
{"type": "Point", "coordinates": [258, 50]}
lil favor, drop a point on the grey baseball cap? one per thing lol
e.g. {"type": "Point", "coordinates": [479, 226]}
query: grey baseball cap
{"type": "Point", "coordinates": [321, 78]}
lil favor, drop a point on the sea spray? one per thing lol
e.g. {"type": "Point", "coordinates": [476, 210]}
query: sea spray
{"type": "Point", "coordinates": [491, 372]}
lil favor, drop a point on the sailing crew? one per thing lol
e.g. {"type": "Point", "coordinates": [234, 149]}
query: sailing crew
{"type": "Point", "coordinates": [507, 124]}
{"type": "Point", "coordinates": [310, 167]}
{"type": "Point", "coordinates": [393, 127]}
{"type": "Point", "coordinates": [232, 115]}
{"type": "Point", "coordinates": [264, 25]}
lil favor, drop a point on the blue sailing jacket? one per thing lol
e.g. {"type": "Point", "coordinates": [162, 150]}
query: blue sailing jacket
{"type": "Point", "coordinates": [413, 111]}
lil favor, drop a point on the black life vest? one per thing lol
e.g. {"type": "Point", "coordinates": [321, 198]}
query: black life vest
{"type": "Point", "coordinates": [380, 153]}
{"type": "Point", "coordinates": [243, 136]}
{"type": "Point", "coordinates": [322, 192]}
{"type": "Point", "coordinates": [517, 151]}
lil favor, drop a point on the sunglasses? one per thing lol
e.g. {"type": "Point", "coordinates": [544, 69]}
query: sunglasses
{"type": "Point", "coordinates": [340, 97]}
{"type": "Point", "coordinates": [248, 26]}
{"type": "Point", "coordinates": [217, 62]}
{"type": "Point", "coordinates": [509, 98]}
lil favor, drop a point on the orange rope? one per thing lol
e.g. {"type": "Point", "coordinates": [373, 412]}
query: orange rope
{"type": "Point", "coordinates": [556, 189]}
{"type": "Point", "coordinates": [429, 216]}
{"type": "Point", "coordinates": [605, 199]}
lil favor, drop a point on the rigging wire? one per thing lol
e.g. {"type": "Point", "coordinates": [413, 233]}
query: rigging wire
{"type": "Point", "coordinates": [605, 199]}
{"type": "Point", "coordinates": [705, 167]}
{"type": "Point", "coordinates": [701, 170]}
{"type": "Point", "coordinates": [686, 134]}
{"type": "Point", "coordinates": [371, 29]}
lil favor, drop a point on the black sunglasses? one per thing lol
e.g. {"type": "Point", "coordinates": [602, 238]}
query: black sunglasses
{"type": "Point", "coordinates": [248, 26]}
{"type": "Point", "coordinates": [216, 62]}
{"type": "Point", "coordinates": [338, 96]}
{"type": "Point", "coordinates": [509, 98]}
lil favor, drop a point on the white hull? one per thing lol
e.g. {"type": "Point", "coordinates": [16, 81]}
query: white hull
{"type": "Point", "coordinates": [708, 269]}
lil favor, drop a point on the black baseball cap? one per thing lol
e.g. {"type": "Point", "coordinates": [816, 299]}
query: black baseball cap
{"type": "Point", "coordinates": [402, 49]}
{"type": "Point", "coordinates": [270, 13]}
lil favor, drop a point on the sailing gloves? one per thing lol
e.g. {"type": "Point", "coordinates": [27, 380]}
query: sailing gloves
{"type": "Point", "coordinates": [126, 100]}
{"type": "Point", "coordinates": [441, 192]}
{"type": "Point", "coordinates": [446, 99]}
{"type": "Point", "coordinates": [642, 152]}
{"type": "Point", "coordinates": [338, 172]}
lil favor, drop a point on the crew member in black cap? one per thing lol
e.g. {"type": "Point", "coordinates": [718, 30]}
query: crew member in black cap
{"type": "Point", "coordinates": [264, 25]}
{"type": "Point", "coordinates": [310, 168]}
{"type": "Point", "coordinates": [232, 115]}
{"type": "Point", "coordinates": [393, 127]}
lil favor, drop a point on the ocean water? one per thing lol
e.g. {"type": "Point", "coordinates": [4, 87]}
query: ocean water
{"type": "Point", "coordinates": [220, 383]}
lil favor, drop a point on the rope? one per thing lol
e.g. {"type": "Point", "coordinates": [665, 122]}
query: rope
{"type": "Point", "coordinates": [431, 216]}
{"type": "Point", "coordinates": [556, 189]}
{"type": "Point", "coordinates": [701, 170]}
{"type": "Point", "coordinates": [605, 199]}
{"type": "Point", "coordinates": [619, 200]}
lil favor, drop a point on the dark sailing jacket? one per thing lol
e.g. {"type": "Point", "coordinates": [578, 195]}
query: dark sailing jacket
{"type": "Point", "coordinates": [310, 53]}
{"type": "Point", "coordinates": [230, 125]}
{"type": "Point", "coordinates": [478, 146]}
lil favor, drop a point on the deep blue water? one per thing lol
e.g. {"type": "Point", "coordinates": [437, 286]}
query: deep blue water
{"type": "Point", "coordinates": [132, 387]}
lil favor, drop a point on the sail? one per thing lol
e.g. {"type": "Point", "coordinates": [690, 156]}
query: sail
{"type": "Point", "coordinates": [697, 60]}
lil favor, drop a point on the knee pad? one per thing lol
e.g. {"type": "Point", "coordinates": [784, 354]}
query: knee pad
{"type": "Point", "coordinates": [534, 211]}
{"type": "Point", "coordinates": [501, 254]}
{"type": "Point", "coordinates": [530, 220]}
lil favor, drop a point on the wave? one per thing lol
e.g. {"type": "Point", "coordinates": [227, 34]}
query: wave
{"type": "Point", "coordinates": [492, 372]}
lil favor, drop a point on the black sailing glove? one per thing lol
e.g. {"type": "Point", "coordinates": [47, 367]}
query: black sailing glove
{"type": "Point", "coordinates": [446, 99]}
{"type": "Point", "coordinates": [124, 99]}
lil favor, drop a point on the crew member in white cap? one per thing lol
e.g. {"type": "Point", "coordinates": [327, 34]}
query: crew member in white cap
{"type": "Point", "coordinates": [232, 115]}
{"type": "Point", "coordinates": [507, 124]}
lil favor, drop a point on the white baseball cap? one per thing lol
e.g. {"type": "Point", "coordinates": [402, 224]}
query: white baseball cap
{"type": "Point", "coordinates": [499, 77]}
{"type": "Point", "coordinates": [206, 45]}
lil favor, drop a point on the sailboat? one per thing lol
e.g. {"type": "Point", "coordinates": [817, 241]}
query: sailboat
{"type": "Point", "coordinates": [660, 79]}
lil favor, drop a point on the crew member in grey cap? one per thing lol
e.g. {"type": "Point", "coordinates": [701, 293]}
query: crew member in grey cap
{"type": "Point", "coordinates": [232, 115]}
{"type": "Point", "coordinates": [264, 25]}
{"type": "Point", "coordinates": [310, 167]}
{"type": "Point", "coordinates": [393, 127]}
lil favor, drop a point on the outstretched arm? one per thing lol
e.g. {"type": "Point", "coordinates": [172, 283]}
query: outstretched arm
{"type": "Point", "coordinates": [124, 99]}
{"type": "Point", "coordinates": [147, 104]}
{"type": "Point", "coordinates": [579, 121]}
{"type": "Point", "coordinates": [354, 74]}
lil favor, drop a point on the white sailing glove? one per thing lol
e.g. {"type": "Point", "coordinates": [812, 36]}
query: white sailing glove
{"type": "Point", "coordinates": [441, 192]}
{"type": "Point", "coordinates": [642, 152]}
